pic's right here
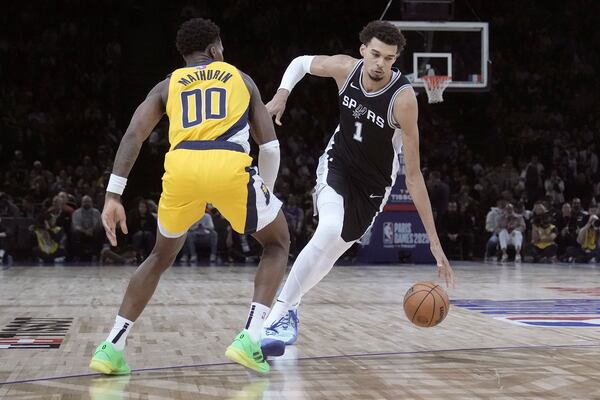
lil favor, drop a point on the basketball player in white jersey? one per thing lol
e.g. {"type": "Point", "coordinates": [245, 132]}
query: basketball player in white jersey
{"type": "Point", "coordinates": [378, 120]}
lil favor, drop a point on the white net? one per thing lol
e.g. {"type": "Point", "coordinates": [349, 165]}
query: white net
{"type": "Point", "coordinates": [435, 86]}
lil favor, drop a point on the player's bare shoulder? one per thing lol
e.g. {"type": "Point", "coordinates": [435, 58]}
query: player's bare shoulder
{"type": "Point", "coordinates": [406, 101]}
{"type": "Point", "coordinates": [406, 110]}
{"type": "Point", "coordinates": [161, 90]}
{"type": "Point", "coordinates": [337, 67]}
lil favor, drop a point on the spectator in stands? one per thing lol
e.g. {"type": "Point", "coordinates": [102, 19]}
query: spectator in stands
{"type": "Point", "coordinates": [18, 163]}
{"type": "Point", "coordinates": [5, 258]}
{"type": "Point", "coordinates": [50, 241]}
{"type": "Point", "coordinates": [508, 176]}
{"type": "Point", "coordinates": [142, 227]}
{"type": "Point", "coordinates": [578, 213]}
{"type": "Point", "coordinates": [593, 159]}
{"type": "Point", "coordinates": [588, 240]}
{"type": "Point", "coordinates": [538, 212]}
{"type": "Point", "coordinates": [223, 229]}
{"type": "Point", "coordinates": [543, 235]}
{"type": "Point", "coordinates": [69, 203]}
{"type": "Point", "coordinates": [7, 208]}
{"type": "Point", "coordinates": [492, 225]}
{"type": "Point", "coordinates": [566, 226]}
{"type": "Point", "coordinates": [439, 193]}
{"type": "Point", "coordinates": [28, 208]}
{"type": "Point", "coordinates": [522, 211]}
{"type": "Point", "coordinates": [532, 175]}
{"type": "Point", "coordinates": [201, 232]}
{"type": "Point", "coordinates": [512, 227]}
{"type": "Point", "coordinates": [86, 230]}
{"type": "Point", "coordinates": [62, 183]}
{"type": "Point", "coordinates": [470, 208]}
{"type": "Point", "coordinates": [58, 216]}
{"type": "Point", "coordinates": [39, 171]}
{"type": "Point", "coordinates": [452, 227]}
{"type": "Point", "coordinates": [39, 188]}
{"type": "Point", "coordinates": [555, 187]}
{"type": "Point", "coordinates": [581, 188]}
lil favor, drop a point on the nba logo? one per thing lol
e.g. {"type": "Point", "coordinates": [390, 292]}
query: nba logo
{"type": "Point", "coordinates": [388, 233]}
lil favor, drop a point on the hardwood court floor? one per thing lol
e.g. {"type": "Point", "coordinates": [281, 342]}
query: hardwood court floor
{"type": "Point", "coordinates": [355, 342]}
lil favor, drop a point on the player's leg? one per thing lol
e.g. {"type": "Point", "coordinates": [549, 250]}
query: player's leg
{"type": "Point", "coordinates": [108, 357]}
{"type": "Point", "coordinates": [251, 209]}
{"type": "Point", "coordinates": [275, 240]}
{"type": "Point", "coordinates": [314, 261]}
{"type": "Point", "coordinates": [179, 208]}
{"type": "Point", "coordinates": [145, 279]}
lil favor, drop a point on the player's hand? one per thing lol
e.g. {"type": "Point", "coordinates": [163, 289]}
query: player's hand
{"type": "Point", "coordinates": [276, 106]}
{"type": "Point", "coordinates": [113, 214]}
{"type": "Point", "coordinates": [442, 264]}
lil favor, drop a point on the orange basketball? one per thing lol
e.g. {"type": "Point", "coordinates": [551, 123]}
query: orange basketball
{"type": "Point", "coordinates": [426, 304]}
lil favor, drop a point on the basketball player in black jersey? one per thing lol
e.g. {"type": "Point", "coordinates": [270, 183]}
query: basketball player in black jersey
{"type": "Point", "coordinates": [378, 120]}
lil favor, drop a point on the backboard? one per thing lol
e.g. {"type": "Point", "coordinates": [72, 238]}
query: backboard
{"type": "Point", "coordinates": [457, 49]}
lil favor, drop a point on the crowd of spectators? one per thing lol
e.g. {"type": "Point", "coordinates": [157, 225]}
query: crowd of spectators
{"type": "Point", "coordinates": [514, 170]}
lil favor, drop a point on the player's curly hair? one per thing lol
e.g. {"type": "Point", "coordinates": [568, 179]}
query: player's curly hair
{"type": "Point", "coordinates": [196, 34]}
{"type": "Point", "coordinates": [385, 31]}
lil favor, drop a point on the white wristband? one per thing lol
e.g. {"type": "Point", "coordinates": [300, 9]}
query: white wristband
{"type": "Point", "coordinates": [116, 184]}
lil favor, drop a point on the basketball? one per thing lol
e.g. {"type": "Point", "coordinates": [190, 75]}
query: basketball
{"type": "Point", "coordinates": [426, 304]}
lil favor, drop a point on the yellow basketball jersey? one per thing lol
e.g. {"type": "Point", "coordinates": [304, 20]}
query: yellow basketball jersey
{"type": "Point", "coordinates": [207, 102]}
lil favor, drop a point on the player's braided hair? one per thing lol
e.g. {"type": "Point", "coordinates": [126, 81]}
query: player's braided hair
{"type": "Point", "coordinates": [196, 35]}
{"type": "Point", "coordinates": [385, 31]}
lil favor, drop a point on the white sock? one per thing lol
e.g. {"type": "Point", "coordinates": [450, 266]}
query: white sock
{"type": "Point", "coordinates": [279, 310]}
{"type": "Point", "coordinates": [256, 318]}
{"type": "Point", "coordinates": [119, 332]}
{"type": "Point", "coordinates": [1, 254]}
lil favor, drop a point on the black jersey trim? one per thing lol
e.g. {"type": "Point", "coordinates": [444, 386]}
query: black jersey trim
{"type": "Point", "coordinates": [383, 89]}
{"type": "Point", "coordinates": [323, 169]}
{"type": "Point", "coordinates": [251, 210]}
{"type": "Point", "coordinates": [391, 120]}
{"type": "Point", "coordinates": [350, 76]}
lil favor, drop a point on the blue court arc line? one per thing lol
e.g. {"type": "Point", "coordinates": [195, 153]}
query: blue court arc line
{"type": "Point", "coordinates": [569, 324]}
{"type": "Point", "coordinates": [331, 357]}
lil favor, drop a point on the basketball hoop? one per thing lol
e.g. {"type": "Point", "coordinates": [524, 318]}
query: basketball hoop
{"type": "Point", "coordinates": [435, 86]}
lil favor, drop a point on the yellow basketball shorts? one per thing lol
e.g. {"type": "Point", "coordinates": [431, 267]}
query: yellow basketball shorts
{"type": "Point", "coordinates": [216, 172]}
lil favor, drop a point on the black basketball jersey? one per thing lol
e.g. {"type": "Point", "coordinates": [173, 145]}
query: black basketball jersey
{"type": "Point", "coordinates": [366, 145]}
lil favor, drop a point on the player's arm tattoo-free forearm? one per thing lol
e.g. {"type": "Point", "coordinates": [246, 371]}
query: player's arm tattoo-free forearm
{"type": "Point", "coordinates": [129, 149]}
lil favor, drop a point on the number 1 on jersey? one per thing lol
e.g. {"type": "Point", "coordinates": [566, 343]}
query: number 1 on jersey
{"type": "Point", "coordinates": [358, 131]}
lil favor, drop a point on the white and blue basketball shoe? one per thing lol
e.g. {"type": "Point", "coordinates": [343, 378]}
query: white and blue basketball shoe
{"type": "Point", "coordinates": [281, 333]}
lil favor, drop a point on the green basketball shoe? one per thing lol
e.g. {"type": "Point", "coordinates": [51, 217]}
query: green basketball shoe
{"type": "Point", "coordinates": [247, 353]}
{"type": "Point", "coordinates": [109, 361]}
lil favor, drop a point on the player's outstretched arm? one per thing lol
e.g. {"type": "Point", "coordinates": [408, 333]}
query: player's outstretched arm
{"type": "Point", "coordinates": [145, 117]}
{"type": "Point", "coordinates": [263, 133]}
{"type": "Point", "coordinates": [406, 114]}
{"type": "Point", "coordinates": [337, 67]}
